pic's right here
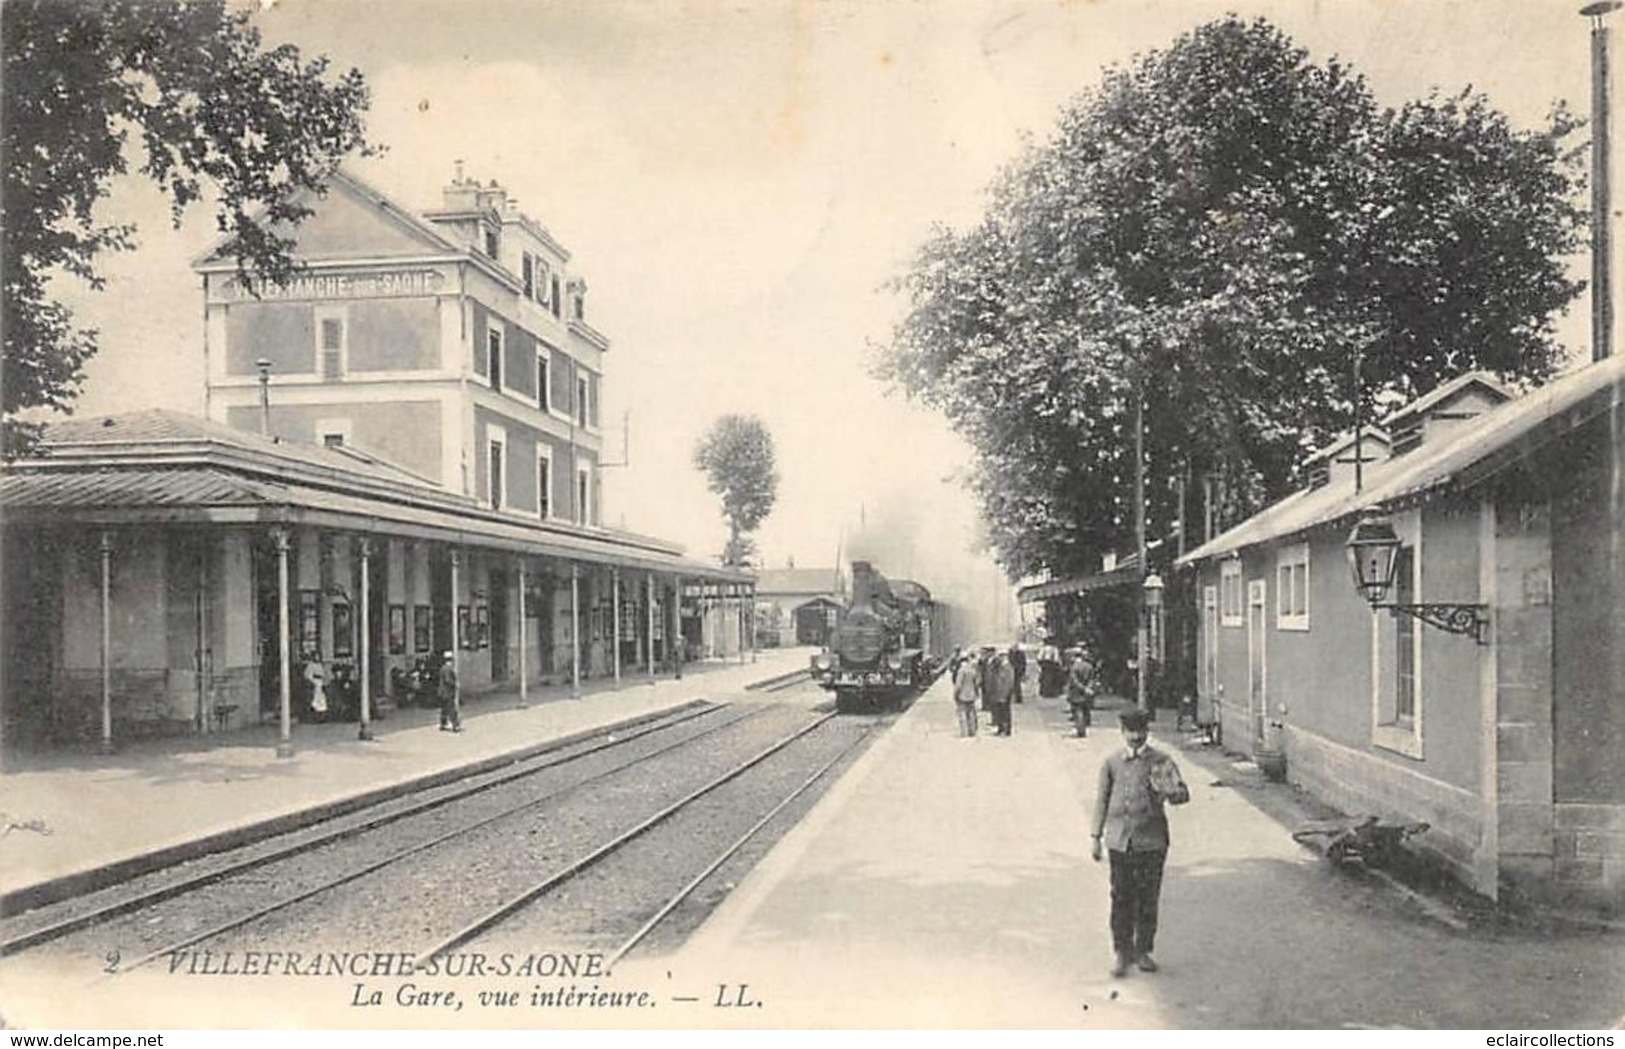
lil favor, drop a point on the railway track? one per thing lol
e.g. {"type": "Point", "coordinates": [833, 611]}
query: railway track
{"type": "Point", "coordinates": [53, 921]}
{"type": "Point", "coordinates": [510, 849]}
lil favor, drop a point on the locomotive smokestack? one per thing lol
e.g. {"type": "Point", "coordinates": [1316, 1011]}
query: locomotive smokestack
{"type": "Point", "coordinates": [863, 584]}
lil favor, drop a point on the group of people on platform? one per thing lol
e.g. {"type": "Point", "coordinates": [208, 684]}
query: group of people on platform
{"type": "Point", "coordinates": [990, 679]}
{"type": "Point", "coordinates": [1129, 827]}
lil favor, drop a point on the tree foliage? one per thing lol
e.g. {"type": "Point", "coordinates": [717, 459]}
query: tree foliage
{"type": "Point", "coordinates": [737, 457]}
{"type": "Point", "coordinates": [1215, 229]}
{"type": "Point", "coordinates": [213, 112]}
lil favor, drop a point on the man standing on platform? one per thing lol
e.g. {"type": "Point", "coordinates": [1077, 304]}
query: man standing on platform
{"type": "Point", "coordinates": [451, 715]}
{"type": "Point", "coordinates": [1134, 783]}
{"type": "Point", "coordinates": [1001, 686]}
{"type": "Point", "coordinates": [1018, 663]}
{"type": "Point", "coordinates": [967, 688]}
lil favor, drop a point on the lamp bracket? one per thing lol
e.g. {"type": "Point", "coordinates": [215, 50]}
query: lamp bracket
{"type": "Point", "coordinates": [1470, 620]}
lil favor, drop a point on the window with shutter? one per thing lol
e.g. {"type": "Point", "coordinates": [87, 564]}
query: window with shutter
{"type": "Point", "coordinates": [495, 479]}
{"type": "Point", "coordinates": [332, 347]}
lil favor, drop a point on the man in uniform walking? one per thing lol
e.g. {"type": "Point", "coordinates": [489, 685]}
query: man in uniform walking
{"type": "Point", "coordinates": [1129, 823]}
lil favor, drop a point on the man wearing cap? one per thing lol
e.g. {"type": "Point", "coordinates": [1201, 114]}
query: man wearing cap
{"type": "Point", "coordinates": [1129, 824]}
{"type": "Point", "coordinates": [451, 717]}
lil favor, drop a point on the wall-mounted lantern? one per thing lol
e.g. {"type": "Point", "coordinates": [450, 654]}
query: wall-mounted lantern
{"type": "Point", "coordinates": [1373, 548]}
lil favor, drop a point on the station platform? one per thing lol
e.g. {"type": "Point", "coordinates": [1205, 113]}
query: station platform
{"type": "Point", "coordinates": [70, 815]}
{"type": "Point", "coordinates": [947, 883]}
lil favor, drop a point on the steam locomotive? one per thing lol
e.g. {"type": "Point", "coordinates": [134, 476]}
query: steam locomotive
{"type": "Point", "coordinates": [886, 642]}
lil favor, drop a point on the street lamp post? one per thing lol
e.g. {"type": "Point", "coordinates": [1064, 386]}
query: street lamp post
{"type": "Point", "coordinates": [263, 364]}
{"type": "Point", "coordinates": [1373, 549]}
{"type": "Point", "coordinates": [1602, 304]}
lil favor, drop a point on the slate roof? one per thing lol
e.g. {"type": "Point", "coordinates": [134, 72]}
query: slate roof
{"type": "Point", "coordinates": [158, 466]}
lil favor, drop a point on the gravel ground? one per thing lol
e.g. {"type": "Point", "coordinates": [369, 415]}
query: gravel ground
{"type": "Point", "coordinates": [558, 772]}
{"type": "Point", "coordinates": [604, 905]}
{"type": "Point", "coordinates": [410, 905]}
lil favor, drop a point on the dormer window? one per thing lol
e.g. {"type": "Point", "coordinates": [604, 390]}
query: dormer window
{"type": "Point", "coordinates": [578, 306]}
{"type": "Point", "coordinates": [1407, 437]}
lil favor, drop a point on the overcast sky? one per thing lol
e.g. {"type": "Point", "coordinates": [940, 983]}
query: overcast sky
{"type": "Point", "coordinates": [738, 180]}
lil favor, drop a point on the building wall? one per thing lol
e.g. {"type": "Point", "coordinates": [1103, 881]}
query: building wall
{"type": "Point", "coordinates": [405, 432]}
{"type": "Point", "coordinates": [381, 335]}
{"type": "Point", "coordinates": [1588, 608]}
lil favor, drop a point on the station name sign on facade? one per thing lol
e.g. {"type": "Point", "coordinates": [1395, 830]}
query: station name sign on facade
{"type": "Point", "coordinates": [382, 284]}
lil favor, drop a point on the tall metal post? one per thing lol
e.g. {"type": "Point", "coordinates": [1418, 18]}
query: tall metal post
{"type": "Point", "coordinates": [284, 739]}
{"type": "Point", "coordinates": [264, 366]}
{"type": "Point", "coordinates": [674, 639]}
{"type": "Point", "coordinates": [456, 637]}
{"type": "Point", "coordinates": [365, 648]}
{"type": "Point", "coordinates": [1142, 642]}
{"type": "Point", "coordinates": [1602, 291]}
{"type": "Point", "coordinates": [107, 642]}
{"type": "Point", "coordinates": [575, 630]}
{"type": "Point", "coordinates": [649, 633]}
{"type": "Point", "coordinates": [524, 672]}
{"type": "Point", "coordinates": [615, 622]}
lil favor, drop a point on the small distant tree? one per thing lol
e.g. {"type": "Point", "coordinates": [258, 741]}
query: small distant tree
{"type": "Point", "coordinates": [737, 457]}
{"type": "Point", "coordinates": [212, 110]}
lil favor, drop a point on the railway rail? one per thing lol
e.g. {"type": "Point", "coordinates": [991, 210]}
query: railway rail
{"type": "Point", "coordinates": [510, 840]}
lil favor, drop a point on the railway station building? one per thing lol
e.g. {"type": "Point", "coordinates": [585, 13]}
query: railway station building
{"type": "Point", "coordinates": [1476, 682]}
{"type": "Point", "coordinates": [400, 457]}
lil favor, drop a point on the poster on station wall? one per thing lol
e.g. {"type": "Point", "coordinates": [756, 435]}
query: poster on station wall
{"type": "Point", "coordinates": [878, 312]}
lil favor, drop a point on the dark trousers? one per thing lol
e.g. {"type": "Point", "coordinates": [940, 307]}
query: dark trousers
{"type": "Point", "coordinates": [450, 715]}
{"type": "Point", "coordinates": [1136, 884]}
{"type": "Point", "coordinates": [1001, 718]}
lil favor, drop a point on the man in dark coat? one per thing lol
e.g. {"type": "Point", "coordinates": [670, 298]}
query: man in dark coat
{"type": "Point", "coordinates": [1018, 663]}
{"type": "Point", "coordinates": [451, 714]}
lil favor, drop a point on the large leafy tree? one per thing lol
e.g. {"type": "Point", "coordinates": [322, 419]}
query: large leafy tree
{"type": "Point", "coordinates": [737, 457]}
{"type": "Point", "coordinates": [1214, 231]}
{"type": "Point", "coordinates": [214, 113]}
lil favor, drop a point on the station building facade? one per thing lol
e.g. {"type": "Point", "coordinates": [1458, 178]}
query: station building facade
{"type": "Point", "coordinates": [400, 458]}
{"type": "Point", "coordinates": [1509, 737]}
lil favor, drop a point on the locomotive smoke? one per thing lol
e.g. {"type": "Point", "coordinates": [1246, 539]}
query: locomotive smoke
{"type": "Point", "coordinates": [904, 541]}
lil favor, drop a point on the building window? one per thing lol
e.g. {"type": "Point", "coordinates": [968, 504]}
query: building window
{"type": "Point", "coordinates": [578, 306]}
{"type": "Point", "coordinates": [544, 483]}
{"type": "Point", "coordinates": [592, 399]}
{"type": "Point", "coordinates": [581, 400]}
{"type": "Point", "coordinates": [544, 389]}
{"type": "Point", "coordinates": [1397, 684]}
{"type": "Point", "coordinates": [553, 293]}
{"type": "Point", "coordinates": [1292, 587]}
{"type": "Point", "coordinates": [529, 272]}
{"type": "Point", "coordinates": [1405, 638]}
{"type": "Point", "coordinates": [333, 433]}
{"type": "Point", "coordinates": [583, 494]}
{"type": "Point", "coordinates": [496, 448]}
{"type": "Point", "coordinates": [1230, 593]}
{"type": "Point", "coordinates": [330, 343]}
{"type": "Point", "coordinates": [493, 241]}
{"type": "Point", "coordinates": [493, 358]}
